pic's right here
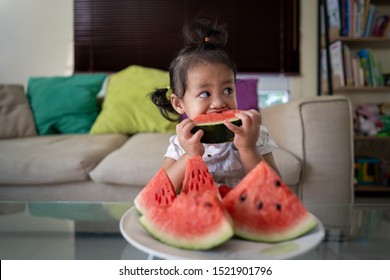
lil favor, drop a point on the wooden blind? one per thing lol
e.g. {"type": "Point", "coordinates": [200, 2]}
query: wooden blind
{"type": "Point", "coordinates": [113, 34]}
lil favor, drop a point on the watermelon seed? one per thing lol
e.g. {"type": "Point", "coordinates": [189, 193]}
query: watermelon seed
{"type": "Point", "coordinates": [260, 205]}
{"type": "Point", "coordinates": [243, 197]}
{"type": "Point", "coordinates": [208, 204]}
{"type": "Point", "coordinates": [278, 206]}
{"type": "Point", "coordinates": [278, 183]}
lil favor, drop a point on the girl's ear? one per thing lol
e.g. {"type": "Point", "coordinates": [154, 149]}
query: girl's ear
{"type": "Point", "coordinates": [177, 104]}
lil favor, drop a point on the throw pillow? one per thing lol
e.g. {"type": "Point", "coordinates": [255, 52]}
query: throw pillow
{"type": "Point", "coordinates": [16, 118]}
{"type": "Point", "coordinates": [65, 104]}
{"type": "Point", "coordinates": [127, 107]}
{"type": "Point", "coordinates": [246, 90]}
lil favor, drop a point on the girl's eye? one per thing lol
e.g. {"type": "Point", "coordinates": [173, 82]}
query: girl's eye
{"type": "Point", "coordinates": [227, 91]}
{"type": "Point", "coordinates": [204, 94]}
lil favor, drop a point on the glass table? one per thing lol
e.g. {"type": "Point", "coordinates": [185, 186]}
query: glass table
{"type": "Point", "coordinates": [90, 230]}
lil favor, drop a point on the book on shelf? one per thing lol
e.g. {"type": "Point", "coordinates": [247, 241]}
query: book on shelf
{"type": "Point", "coordinates": [351, 68]}
{"type": "Point", "coordinates": [337, 66]}
{"type": "Point", "coordinates": [372, 69]}
{"type": "Point", "coordinates": [370, 18]}
{"type": "Point", "coordinates": [356, 18]}
{"type": "Point", "coordinates": [348, 68]}
{"type": "Point", "coordinates": [333, 18]}
{"type": "Point", "coordinates": [337, 63]}
{"type": "Point", "coordinates": [380, 26]}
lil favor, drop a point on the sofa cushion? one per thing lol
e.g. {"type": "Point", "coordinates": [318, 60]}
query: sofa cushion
{"type": "Point", "coordinates": [142, 156]}
{"type": "Point", "coordinates": [135, 162]}
{"type": "Point", "coordinates": [127, 107]}
{"type": "Point", "coordinates": [65, 104]}
{"type": "Point", "coordinates": [289, 166]}
{"type": "Point", "coordinates": [16, 118]}
{"type": "Point", "coordinates": [55, 158]}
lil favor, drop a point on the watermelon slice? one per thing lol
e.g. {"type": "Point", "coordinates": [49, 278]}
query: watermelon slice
{"type": "Point", "coordinates": [224, 190]}
{"type": "Point", "coordinates": [197, 178]}
{"type": "Point", "coordinates": [158, 192]}
{"type": "Point", "coordinates": [263, 208]}
{"type": "Point", "coordinates": [197, 222]}
{"type": "Point", "coordinates": [214, 128]}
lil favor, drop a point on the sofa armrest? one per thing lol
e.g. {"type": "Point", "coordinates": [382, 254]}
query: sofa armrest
{"type": "Point", "coordinates": [319, 132]}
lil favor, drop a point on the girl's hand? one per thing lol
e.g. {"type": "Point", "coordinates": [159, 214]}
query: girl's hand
{"type": "Point", "coordinates": [248, 133]}
{"type": "Point", "coordinates": [188, 141]}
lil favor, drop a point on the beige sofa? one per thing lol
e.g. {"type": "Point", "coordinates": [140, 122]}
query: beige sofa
{"type": "Point", "coordinates": [315, 158]}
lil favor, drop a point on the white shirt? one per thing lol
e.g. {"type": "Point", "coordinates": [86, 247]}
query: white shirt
{"type": "Point", "coordinates": [223, 160]}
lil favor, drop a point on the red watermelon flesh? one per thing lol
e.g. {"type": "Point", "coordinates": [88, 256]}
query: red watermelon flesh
{"type": "Point", "coordinates": [214, 129]}
{"type": "Point", "coordinates": [197, 222]}
{"type": "Point", "coordinates": [263, 208]}
{"type": "Point", "coordinates": [158, 192]}
{"type": "Point", "coordinates": [197, 178]}
{"type": "Point", "coordinates": [224, 190]}
{"type": "Point", "coordinates": [216, 117]}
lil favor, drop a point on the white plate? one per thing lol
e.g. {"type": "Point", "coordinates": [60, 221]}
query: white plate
{"type": "Point", "coordinates": [234, 248]}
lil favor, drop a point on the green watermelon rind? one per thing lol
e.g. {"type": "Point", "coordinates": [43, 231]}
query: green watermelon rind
{"type": "Point", "coordinates": [138, 205]}
{"type": "Point", "coordinates": [303, 226]}
{"type": "Point", "coordinates": [205, 242]}
{"type": "Point", "coordinates": [216, 132]}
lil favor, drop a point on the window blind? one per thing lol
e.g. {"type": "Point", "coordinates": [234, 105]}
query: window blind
{"type": "Point", "coordinates": [110, 35]}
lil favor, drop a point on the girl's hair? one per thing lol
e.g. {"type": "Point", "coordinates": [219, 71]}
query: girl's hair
{"type": "Point", "coordinates": [204, 43]}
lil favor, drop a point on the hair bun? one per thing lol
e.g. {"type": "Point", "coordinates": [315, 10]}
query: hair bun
{"type": "Point", "coordinates": [204, 33]}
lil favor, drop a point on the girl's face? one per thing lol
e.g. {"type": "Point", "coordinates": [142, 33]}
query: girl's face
{"type": "Point", "coordinates": [210, 88]}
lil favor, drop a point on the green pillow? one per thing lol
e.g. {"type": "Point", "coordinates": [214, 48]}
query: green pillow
{"type": "Point", "coordinates": [64, 104]}
{"type": "Point", "coordinates": [127, 107]}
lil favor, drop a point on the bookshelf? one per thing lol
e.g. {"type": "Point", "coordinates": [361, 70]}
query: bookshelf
{"type": "Point", "coordinates": [354, 61]}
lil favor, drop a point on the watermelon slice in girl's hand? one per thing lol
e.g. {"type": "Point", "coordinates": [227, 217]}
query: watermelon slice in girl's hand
{"type": "Point", "coordinates": [263, 208]}
{"type": "Point", "coordinates": [212, 124]}
{"type": "Point", "coordinates": [197, 222]}
{"type": "Point", "coordinates": [158, 192]}
{"type": "Point", "coordinates": [197, 178]}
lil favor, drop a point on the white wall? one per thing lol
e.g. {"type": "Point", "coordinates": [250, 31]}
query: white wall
{"type": "Point", "coordinates": [37, 40]}
{"type": "Point", "coordinates": [306, 84]}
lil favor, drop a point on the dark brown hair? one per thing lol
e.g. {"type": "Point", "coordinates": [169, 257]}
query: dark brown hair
{"type": "Point", "coordinates": [204, 43]}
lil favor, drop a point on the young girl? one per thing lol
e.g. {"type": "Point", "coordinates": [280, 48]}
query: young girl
{"type": "Point", "coordinates": [202, 80]}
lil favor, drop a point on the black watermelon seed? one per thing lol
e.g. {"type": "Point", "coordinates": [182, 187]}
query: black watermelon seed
{"type": "Point", "coordinates": [278, 206]}
{"type": "Point", "coordinates": [243, 197]}
{"type": "Point", "coordinates": [208, 204]}
{"type": "Point", "coordinates": [260, 205]}
{"type": "Point", "coordinates": [278, 183]}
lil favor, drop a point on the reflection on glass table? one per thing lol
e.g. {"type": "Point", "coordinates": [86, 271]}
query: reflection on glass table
{"type": "Point", "coordinates": [90, 230]}
{"type": "Point", "coordinates": [360, 231]}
